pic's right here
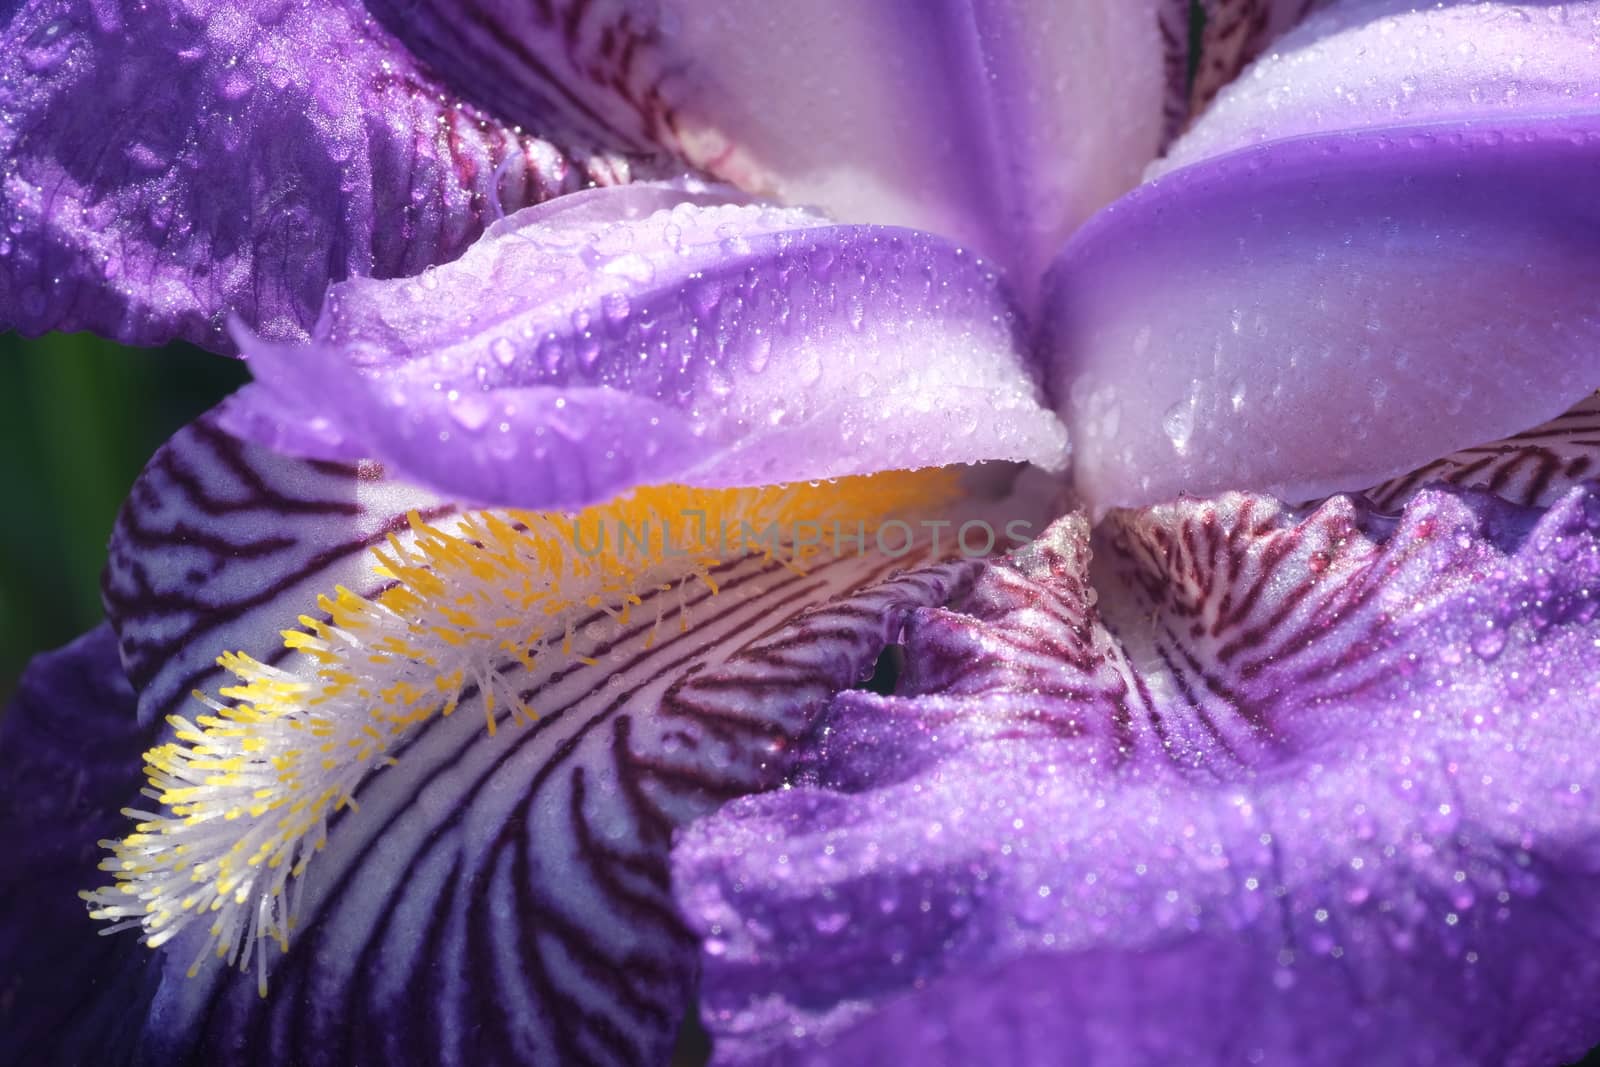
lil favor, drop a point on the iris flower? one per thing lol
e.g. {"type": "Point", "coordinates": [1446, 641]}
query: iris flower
{"type": "Point", "coordinates": [439, 717]}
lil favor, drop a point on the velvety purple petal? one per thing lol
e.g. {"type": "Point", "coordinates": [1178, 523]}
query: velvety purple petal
{"type": "Point", "coordinates": [70, 745]}
{"type": "Point", "coordinates": [166, 164]}
{"type": "Point", "coordinates": [1257, 785]}
{"type": "Point", "coordinates": [653, 334]}
{"type": "Point", "coordinates": [495, 897]}
{"type": "Point", "coordinates": [1325, 312]}
{"type": "Point", "coordinates": [999, 123]}
{"type": "Point", "coordinates": [1369, 63]}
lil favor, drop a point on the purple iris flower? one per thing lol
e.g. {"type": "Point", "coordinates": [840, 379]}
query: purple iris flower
{"type": "Point", "coordinates": [487, 672]}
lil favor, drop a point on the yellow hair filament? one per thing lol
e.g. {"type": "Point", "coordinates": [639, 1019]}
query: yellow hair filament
{"type": "Point", "coordinates": [246, 789]}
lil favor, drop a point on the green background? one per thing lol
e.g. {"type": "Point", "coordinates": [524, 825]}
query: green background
{"type": "Point", "coordinates": [80, 417]}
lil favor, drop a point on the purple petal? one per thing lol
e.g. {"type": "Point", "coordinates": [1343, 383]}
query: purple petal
{"type": "Point", "coordinates": [998, 123]}
{"type": "Point", "coordinates": [495, 898]}
{"type": "Point", "coordinates": [70, 746]}
{"type": "Point", "coordinates": [1534, 468]}
{"type": "Point", "coordinates": [1310, 315]}
{"type": "Point", "coordinates": [652, 334]}
{"type": "Point", "coordinates": [1310, 787]}
{"type": "Point", "coordinates": [1369, 63]}
{"type": "Point", "coordinates": [234, 159]}
{"type": "Point", "coordinates": [505, 898]}
{"type": "Point", "coordinates": [1307, 271]}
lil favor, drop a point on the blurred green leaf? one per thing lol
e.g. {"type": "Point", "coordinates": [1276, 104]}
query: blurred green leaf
{"type": "Point", "coordinates": [79, 417]}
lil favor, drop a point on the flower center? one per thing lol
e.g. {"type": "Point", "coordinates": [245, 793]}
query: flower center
{"type": "Point", "coordinates": [248, 790]}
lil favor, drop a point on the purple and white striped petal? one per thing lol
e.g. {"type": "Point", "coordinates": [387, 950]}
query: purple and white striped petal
{"type": "Point", "coordinates": [1311, 787]}
{"type": "Point", "coordinates": [1321, 291]}
{"type": "Point", "coordinates": [215, 539]}
{"type": "Point", "coordinates": [1534, 468]}
{"type": "Point", "coordinates": [505, 898]}
{"type": "Point", "coordinates": [235, 159]}
{"type": "Point", "coordinates": [492, 896]}
{"type": "Point", "coordinates": [659, 333]}
{"type": "Point", "coordinates": [1001, 124]}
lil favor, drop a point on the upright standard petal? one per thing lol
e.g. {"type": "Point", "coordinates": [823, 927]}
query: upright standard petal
{"type": "Point", "coordinates": [1309, 787]}
{"type": "Point", "coordinates": [657, 334]}
{"type": "Point", "coordinates": [1368, 63]}
{"type": "Point", "coordinates": [1314, 314]}
{"type": "Point", "coordinates": [164, 164]}
{"type": "Point", "coordinates": [999, 123]}
{"type": "Point", "coordinates": [433, 814]}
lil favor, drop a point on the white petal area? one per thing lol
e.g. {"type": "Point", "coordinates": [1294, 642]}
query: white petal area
{"type": "Point", "coordinates": [999, 123]}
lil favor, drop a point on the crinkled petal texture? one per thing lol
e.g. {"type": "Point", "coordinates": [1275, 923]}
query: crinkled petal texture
{"type": "Point", "coordinates": [493, 896]}
{"type": "Point", "coordinates": [1309, 314]}
{"type": "Point", "coordinates": [235, 159]}
{"type": "Point", "coordinates": [1000, 123]}
{"type": "Point", "coordinates": [656, 334]}
{"type": "Point", "coordinates": [1281, 786]}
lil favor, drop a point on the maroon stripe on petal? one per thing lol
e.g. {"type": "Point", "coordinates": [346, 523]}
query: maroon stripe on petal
{"type": "Point", "coordinates": [1314, 782]}
{"type": "Point", "coordinates": [1533, 468]}
{"type": "Point", "coordinates": [217, 535]}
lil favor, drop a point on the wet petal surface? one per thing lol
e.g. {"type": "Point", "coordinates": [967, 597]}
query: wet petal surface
{"type": "Point", "coordinates": [236, 159]}
{"type": "Point", "coordinates": [1361, 64]}
{"type": "Point", "coordinates": [1001, 124]}
{"type": "Point", "coordinates": [1316, 296]}
{"type": "Point", "coordinates": [661, 334]}
{"type": "Point", "coordinates": [1254, 782]}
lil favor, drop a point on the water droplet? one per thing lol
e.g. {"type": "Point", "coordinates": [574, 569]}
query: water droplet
{"type": "Point", "coordinates": [1178, 424]}
{"type": "Point", "coordinates": [631, 266]}
{"type": "Point", "coordinates": [830, 922]}
{"type": "Point", "coordinates": [471, 411]}
{"type": "Point", "coordinates": [48, 45]}
{"type": "Point", "coordinates": [615, 305]}
{"type": "Point", "coordinates": [1490, 642]}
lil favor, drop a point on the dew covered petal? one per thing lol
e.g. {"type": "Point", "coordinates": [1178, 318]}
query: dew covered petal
{"type": "Point", "coordinates": [1231, 35]}
{"type": "Point", "coordinates": [1385, 215]}
{"type": "Point", "coordinates": [1308, 785]}
{"type": "Point", "coordinates": [661, 334]}
{"type": "Point", "coordinates": [1358, 64]}
{"type": "Point", "coordinates": [235, 160]}
{"type": "Point", "coordinates": [1330, 311]}
{"type": "Point", "coordinates": [1001, 124]}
